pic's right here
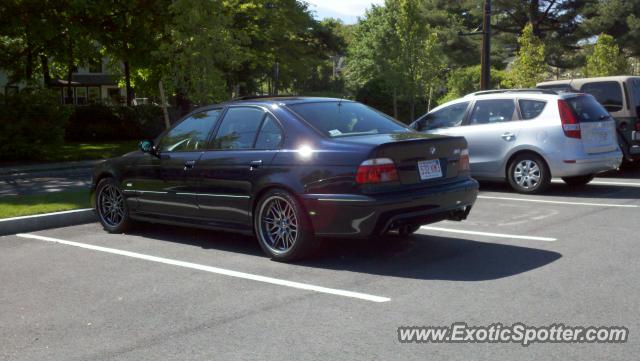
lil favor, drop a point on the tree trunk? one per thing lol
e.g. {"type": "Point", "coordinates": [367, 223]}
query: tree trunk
{"type": "Point", "coordinates": [127, 80]}
{"type": "Point", "coordinates": [69, 73]}
{"type": "Point", "coordinates": [165, 113]}
{"type": "Point", "coordinates": [395, 102]}
{"type": "Point", "coordinates": [29, 63]}
{"type": "Point", "coordinates": [46, 75]}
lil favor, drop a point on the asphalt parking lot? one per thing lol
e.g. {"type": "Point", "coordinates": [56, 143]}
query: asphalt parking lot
{"type": "Point", "coordinates": [569, 256]}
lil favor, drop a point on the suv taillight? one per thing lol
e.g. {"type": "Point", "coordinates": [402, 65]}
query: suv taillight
{"type": "Point", "coordinates": [377, 170]}
{"type": "Point", "coordinates": [570, 123]}
{"type": "Point", "coordinates": [463, 163]}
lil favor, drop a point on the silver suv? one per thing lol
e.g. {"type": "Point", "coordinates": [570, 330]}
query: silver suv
{"type": "Point", "coordinates": [528, 136]}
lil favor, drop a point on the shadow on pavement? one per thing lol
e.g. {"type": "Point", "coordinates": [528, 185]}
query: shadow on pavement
{"type": "Point", "coordinates": [418, 257]}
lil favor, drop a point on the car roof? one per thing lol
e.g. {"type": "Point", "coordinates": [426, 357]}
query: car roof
{"type": "Point", "coordinates": [281, 100]}
{"type": "Point", "coordinates": [542, 94]}
{"type": "Point", "coordinates": [584, 80]}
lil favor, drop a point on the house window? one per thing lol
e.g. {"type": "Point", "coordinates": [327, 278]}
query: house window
{"type": "Point", "coordinates": [68, 95]}
{"type": "Point", "coordinates": [93, 95]}
{"type": "Point", "coordinates": [81, 96]}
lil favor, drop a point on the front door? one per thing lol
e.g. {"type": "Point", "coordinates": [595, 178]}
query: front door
{"type": "Point", "coordinates": [165, 184]}
{"type": "Point", "coordinates": [243, 148]}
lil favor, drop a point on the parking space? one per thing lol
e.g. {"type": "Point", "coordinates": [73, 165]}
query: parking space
{"type": "Point", "coordinates": [569, 256]}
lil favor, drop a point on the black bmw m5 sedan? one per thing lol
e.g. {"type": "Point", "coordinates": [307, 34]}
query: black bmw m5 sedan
{"type": "Point", "coordinates": [291, 171]}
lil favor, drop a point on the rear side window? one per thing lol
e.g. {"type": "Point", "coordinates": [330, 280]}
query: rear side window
{"type": "Point", "coordinates": [270, 134]}
{"type": "Point", "coordinates": [492, 111]}
{"type": "Point", "coordinates": [607, 93]}
{"type": "Point", "coordinates": [531, 108]}
{"type": "Point", "coordinates": [446, 117]}
{"type": "Point", "coordinates": [588, 109]}
{"type": "Point", "coordinates": [239, 128]}
{"type": "Point", "coordinates": [343, 119]}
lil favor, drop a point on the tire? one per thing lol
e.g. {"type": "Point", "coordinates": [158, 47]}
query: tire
{"type": "Point", "coordinates": [529, 174]}
{"type": "Point", "coordinates": [578, 180]}
{"type": "Point", "coordinates": [111, 207]}
{"type": "Point", "coordinates": [283, 228]}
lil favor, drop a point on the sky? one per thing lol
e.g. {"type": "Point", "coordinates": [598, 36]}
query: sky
{"type": "Point", "coordinates": [346, 10]}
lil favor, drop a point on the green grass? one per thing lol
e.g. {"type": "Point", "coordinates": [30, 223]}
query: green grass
{"type": "Point", "coordinates": [88, 151]}
{"type": "Point", "coordinates": [15, 206]}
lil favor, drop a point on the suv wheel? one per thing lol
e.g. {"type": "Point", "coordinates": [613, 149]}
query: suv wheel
{"type": "Point", "coordinates": [578, 180]}
{"type": "Point", "coordinates": [528, 173]}
{"type": "Point", "coordinates": [282, 227]}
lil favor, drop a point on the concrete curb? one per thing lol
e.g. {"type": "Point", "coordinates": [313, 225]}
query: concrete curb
{"type": "Point", "coordinates": [48, 220]}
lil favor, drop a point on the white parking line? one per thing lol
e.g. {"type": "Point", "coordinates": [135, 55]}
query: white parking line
{"type": "Point", "coordinates": [605, 183]}
{"type": "Point", "coordinates": [221, 271]}
{"type": "Point", "coordinates": [488, 234]}
{"type": "Point", "coordinates": [562, 202]}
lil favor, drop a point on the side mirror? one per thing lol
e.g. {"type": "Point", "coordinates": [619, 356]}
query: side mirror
{"type": "Point", "coordinates": [147, 146]}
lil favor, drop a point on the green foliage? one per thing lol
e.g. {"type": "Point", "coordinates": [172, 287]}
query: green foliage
{"type": "Point", "coordinates": [107, 123]}
{"type": "Point", "coordinates": [529, 67]}
{"type": "Point", "coordinates": [31, 122]}
{"type": "Point", "coordinates": [618, 18]}
{"type": "Point", "coordinates": [462, 81]}
{"type": "Point", "coordinates": [606, 59]}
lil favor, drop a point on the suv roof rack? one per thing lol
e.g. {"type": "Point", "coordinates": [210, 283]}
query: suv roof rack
{"type": "Point", "coordinates": [499, 91]}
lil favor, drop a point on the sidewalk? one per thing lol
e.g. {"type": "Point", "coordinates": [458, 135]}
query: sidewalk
{"type": "Point", "coordinates": [46, 178]}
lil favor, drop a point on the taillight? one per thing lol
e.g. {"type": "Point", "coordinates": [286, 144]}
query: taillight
{"type": "Point", "coordinates": [638, 125]}
{"type": "Point", "coordinates": [570, 123]}
{"type": "Point", "coordinates": [463, 163]}
{"type": "Point", "coordinates": [377, 170]}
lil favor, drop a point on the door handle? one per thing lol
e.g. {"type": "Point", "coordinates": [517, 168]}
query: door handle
{"type": "Point", "coordinates": [255, 164]}
{"type": "Point", "coordinates": [189, 164]}
{"type": "Point", "coordinates": [508, 136]}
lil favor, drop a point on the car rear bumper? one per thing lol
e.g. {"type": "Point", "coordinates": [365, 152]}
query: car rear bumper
{"type": "Point", "coordinates": [347, 215]}
{"type": "Point", "coordinates": [590, 164]}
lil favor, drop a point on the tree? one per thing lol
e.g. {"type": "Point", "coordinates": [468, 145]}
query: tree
{"type": "Point", "coordinates": [606, 59]}
{"type": "Point", "coordinates": [529, 67]}
{"type": "Point", "coordinates": [618, 18]}
{"type": "Point", "coordinates": [462, 81]}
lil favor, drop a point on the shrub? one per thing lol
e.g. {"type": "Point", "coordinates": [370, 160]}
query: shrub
{"type": "Point", "coordinates": [108, 123]}
{"type": "Point", "coordinates": [30, 123]}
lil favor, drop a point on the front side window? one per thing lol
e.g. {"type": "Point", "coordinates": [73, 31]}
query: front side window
{"type": "Point", "coordinates": [447, 117]}
{"type": "Point", "coordinates": [531, 108]}
{"type": "Point", "coordinates": [239, 128]}
{"type": "Point", "coordinates": [492, 111]}
{"type": "Point", "coordinates": [607, 93]}
{"type": "Point", "coordinates": [191, 134]}
{"type": "Point", "coordinates": [270, 134]}
{"type": "Point", "coordinates": [346, 118]}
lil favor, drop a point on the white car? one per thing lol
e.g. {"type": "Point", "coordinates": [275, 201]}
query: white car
{"type": "Point", "coordinates": [528, 136]}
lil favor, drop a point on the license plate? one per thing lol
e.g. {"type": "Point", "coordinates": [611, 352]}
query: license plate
{"type": "Point", "coordinates": [600, 137]}
{"type": "Point", "coordinates": [429, 169]}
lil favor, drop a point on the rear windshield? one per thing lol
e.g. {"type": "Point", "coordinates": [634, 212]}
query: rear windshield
{"type": "Point", "coordinates": [588, 109]}
{"type": "Point", "coordinates": [342, 119]}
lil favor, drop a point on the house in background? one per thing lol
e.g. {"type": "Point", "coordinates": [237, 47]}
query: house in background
{"type": "Point", "coordinates": [90, 84]}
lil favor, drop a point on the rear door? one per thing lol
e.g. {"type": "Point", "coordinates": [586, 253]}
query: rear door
{"type": "Point", "coordinates": [597, 127]}
{"type": "Point", "coordinates": [244, 146]}
{"type": "Point", "coordinates": [491, 130]}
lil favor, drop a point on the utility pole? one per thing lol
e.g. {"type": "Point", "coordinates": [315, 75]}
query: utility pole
{"type": "Point", "coordinates": [485, 79]}
{"type": "Point", "coordinates": [485, 57]}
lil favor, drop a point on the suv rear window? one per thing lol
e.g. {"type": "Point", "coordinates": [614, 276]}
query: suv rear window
{"type": "Point", "coordinates": [342, 119]}
{"type": "Point", "coordinates": [608, 93]}
{"type": "Point", "coordinates": [588, 109]}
